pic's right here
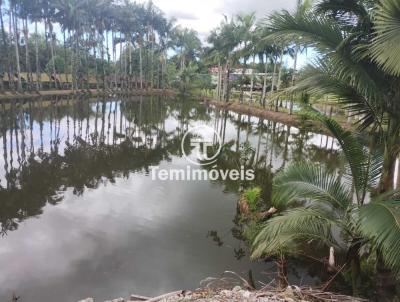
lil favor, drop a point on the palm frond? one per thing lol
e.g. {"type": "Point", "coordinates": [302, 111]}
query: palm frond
{"type": "Point", "coordinates": [299, 224]}
{"type": "Point", "coordinates": [385, 47]}
{"type": "Point", "coordinates": [307, 181]}
{"type": "Point", "coordinates": [348, 12]}
{"type": "Point", "coordinates": [354, 153]}
{"type": "Point", "coordinates": [375, 168]}
{"type": "Point", "coordinates": [380, 221]}
{"type": "Point", "coordinates": [307, 29]}
{"type": "Point", "coordinates": [334, 44]}
{"type": "Point", "coordinates": [319, 80]}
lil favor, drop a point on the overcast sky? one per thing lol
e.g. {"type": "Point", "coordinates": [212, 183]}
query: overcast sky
{"type": "Point", "coordinates": [204, 15]}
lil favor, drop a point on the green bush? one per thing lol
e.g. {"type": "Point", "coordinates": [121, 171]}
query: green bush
{"type": "Point", "coordinates": [252, 196]}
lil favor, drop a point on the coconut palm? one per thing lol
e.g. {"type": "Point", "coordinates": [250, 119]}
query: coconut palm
{"type": "Point", "coordinates": [322, 210]}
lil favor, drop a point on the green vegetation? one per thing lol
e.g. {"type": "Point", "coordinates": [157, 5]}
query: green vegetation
{"type": "Point", "coordinates": [252, 196]}
{"type": "Point", "coordinates": [320, 207]}
{"type": "Point", "coordinates": [354, 215]}
{"type": "Point", "coordinates": [106, 44]}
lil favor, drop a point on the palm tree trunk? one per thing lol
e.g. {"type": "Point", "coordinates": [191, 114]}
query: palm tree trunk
{"type": "Point", "coordinates": [27, 60]}
{"type": "Point", "coordinates": [279, 79]}
{"type": "Point", "coordinates": [152, 59]}
{"type": "Point", "coordinates": [141, 65]}
{"type": "Point", "coordinates": [102, 59]}
{"type": "Point", "coordinates": [38, 74]}
{"type": "Point", "coordinates": [219, 81]}
{"type": "Point", "coordinates": [95, 68]}
{"type": "Point", "coordinates": [5, 44]}
{"type": "Point", "coordinates": [282, 272]}
{"type": "Point", "coordinates": [264, 92]}
{"type": "Point", "coordinates": [227, 82]}
{"type": "Point", "coordinates": [108, 60]}
{"type": "Point", "coordinates": [242, 78]}
{"type": "Point", "coordinates": [354, 258]}
{"type": "Point", "coordinates": [120, 60]}
{"type": "Point", "coordinates": [252, 79]}
{"type": "Point", "coordinates": [52, 54]}
{"type": "Point", "coordinates": [10, 56]}
{"type": "Point", "coordinates": [14, 20]}
{"type": "Point", "coordinates": [65, 57]}
{"type": "Point", "coordinates": [130, 64]}
{"type": "Point", "coordinates": [114, 54]}
{"type": "Point", "coordinates": [386, 182]}
{"type": "Point", "coordinates": [296, 52]}
{"type": "Point", "coordinates": [273, 78]}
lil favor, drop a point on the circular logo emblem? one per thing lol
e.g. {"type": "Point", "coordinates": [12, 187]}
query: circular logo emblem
{"type": "Point", "coordinates": [202, 139]}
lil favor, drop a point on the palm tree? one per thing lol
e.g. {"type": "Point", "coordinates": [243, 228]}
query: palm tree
{"type": "Point", "coordinates": [188, 44]}
{"type": "Point", "coordinates": [245, 26]}
{"type": "Point", "coordinates": [228, 41]}
{"type": "Point", "coordinates": [348, 68]}
{"type": "Point", "coordinates": [323, 210]}
{"type": "Point", "coordinates": [14, 24]}
{"type": "Point", "coordinates": [215, 56]}
{"type": "Point", "coordinates": [5, 42]}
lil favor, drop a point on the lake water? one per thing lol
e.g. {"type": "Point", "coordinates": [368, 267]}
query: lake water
{"type": "Point", "coordinates": [81, 217]}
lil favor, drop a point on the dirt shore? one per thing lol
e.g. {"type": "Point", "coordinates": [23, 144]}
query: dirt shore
{"type": "Point", "coordinates": [238, 294]}
{"type": "Point", "coordinates": [280, 117]}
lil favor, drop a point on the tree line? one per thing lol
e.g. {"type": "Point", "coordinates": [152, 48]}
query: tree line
{"type": "Point", "coordinates": [116, 43]}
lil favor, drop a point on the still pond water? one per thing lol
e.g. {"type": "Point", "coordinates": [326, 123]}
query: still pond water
{"type": "Point", "coordinates": [81, 217]}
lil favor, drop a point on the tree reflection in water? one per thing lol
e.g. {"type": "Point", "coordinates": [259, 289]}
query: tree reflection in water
{"type": "Point", "coordinates": [50, 146]}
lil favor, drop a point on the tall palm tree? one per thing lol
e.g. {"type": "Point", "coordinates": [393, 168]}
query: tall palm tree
{"type": "Point", "coordinates": [5, 42]}
{"type": "Point", "coordinates": [245, 26]}
{"type": "Point", "coordinates": [14, 24]}
{"type": "Point", "coordinates": [320, 209]}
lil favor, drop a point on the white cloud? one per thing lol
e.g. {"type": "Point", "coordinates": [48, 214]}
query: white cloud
{"type": "Point", "coordinates": [205, 15]}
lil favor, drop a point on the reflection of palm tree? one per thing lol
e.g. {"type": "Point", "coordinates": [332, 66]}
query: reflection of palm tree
{"type": "Point", "coordinates": [85, 163]}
